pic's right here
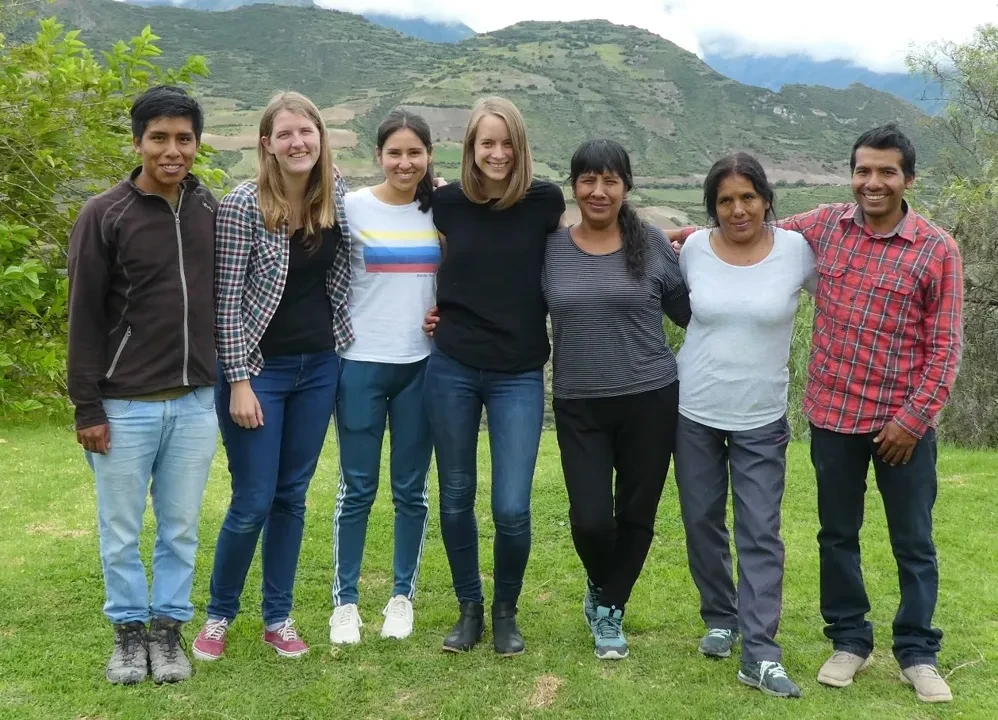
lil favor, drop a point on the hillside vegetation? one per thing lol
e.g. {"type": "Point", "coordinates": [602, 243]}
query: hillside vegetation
{"type": "Point", "coordinates": [572, 80]}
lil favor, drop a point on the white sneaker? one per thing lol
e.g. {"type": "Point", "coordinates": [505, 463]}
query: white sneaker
{"type": "Point", "coordinates": [398, 618]}
{"type": "Point", "coordinates": [344, 625]}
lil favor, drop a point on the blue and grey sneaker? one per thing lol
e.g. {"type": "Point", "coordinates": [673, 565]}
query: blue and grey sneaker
{"type": "Point", "coordinates": [717, 643]}
{"type": "Point", "coordinates": [770, 677]}
{"type": "Point", "coordinates": [590, 602]}
{"type": "Point", "coordinates": [608, 631]}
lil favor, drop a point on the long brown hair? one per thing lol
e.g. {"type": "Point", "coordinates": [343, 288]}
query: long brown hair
{"type": "Point", "coordinates": [319, 207]}
{"type": "Point", "coordinates": [522, 172]}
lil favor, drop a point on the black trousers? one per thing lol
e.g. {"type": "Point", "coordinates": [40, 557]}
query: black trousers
{"type": "Point", "coordinates": [841, 463]}
{"type": "Point", "coordinates": [613, 523]}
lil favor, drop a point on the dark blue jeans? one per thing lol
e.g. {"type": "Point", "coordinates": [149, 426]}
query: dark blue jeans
{"type": "Point", "coordinates": [841, 463]}
{"type": "Point", "coordinates": [371, 393]}
{"type": "Point", "coordinates": [514, 403]}
{"type": "Point", "coordinates": [271, 468]}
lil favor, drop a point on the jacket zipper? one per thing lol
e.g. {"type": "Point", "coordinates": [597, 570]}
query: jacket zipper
{"type": "Point", "coordinates": [117, 355]}
{"type": "Point", "coordinates": [183, 287]}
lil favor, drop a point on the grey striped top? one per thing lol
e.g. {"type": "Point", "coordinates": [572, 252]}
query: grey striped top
{"type": "Point", "coordinates": [607, 325]}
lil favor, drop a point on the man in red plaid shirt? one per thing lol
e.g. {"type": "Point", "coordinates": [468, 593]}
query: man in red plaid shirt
{"type": "Point", "coordinates": [885, 351]}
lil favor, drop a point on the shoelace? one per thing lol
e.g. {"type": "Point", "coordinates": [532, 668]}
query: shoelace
{"type": "Point", "coordinates": [215, 629]}
{"type": "Point", "coordinates": [719, 633]}
{"type": "Point", "coordinates": [131, 641]}
{"type": "Point", "coordinates": [773, 669]}
{"type": "Point", "coordinates": [173, 640]}
{"type": "Point", "coordinates": [287, 631]}
{"type": "Point", "coordinates": [396, 608]}
{"type": "Point", "coordinates": [347, 617]}
{"type": "Point", "coordinates": [607, 628]}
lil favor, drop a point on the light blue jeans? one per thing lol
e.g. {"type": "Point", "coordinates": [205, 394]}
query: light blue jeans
{"type": "Point", "coordinates": [173, 443]}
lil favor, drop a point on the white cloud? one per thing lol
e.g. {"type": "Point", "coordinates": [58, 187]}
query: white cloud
{"type": "Point", "coordinates": [874, 34]}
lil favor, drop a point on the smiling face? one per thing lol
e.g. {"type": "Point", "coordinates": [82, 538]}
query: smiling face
{"type": "Point", "coordinates": [878, 182]}
{"type": "Point", "coordinates": [599, 196]}
{"type": "Point", "coordinates": [294, 142]}
{"type": "Point", "coordinates": [404, 159]}
{"type": "Point", "coordinates": [168, 148]}
{"type": "Point", "coordinates": [494, 154]}
{"type": "Point", "coordinates": [741, 210]}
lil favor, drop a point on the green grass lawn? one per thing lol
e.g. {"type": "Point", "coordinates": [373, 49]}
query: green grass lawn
{"type": "Point", "coordinates": [54, 640]}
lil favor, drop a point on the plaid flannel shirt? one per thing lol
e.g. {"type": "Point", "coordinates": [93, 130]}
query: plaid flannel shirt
{"type": "Point", "coordinates": [251, 266]}
{"type": "Point", "coordinates": [888, 326]}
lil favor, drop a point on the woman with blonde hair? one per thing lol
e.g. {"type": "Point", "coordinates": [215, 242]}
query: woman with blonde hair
{"type": "Point", "coordinates": [490, 348]}
{"type": "Point", "coordinates": [282, 269]}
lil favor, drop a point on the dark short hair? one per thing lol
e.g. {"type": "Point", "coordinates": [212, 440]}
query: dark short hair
{"type": "Point", "coordinates": [165, 101]}
{"type": "Point", "coordinates": [887, 137]}
{"type": "Point", "coordinates": [742, 165]}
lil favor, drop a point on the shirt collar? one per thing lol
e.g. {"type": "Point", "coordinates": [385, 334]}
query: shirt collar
{"type": "Point", "coordinates": [905, 229]}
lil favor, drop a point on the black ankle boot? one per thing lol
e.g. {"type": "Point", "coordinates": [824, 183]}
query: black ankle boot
{"type": "Point", "coordinates": [505, 634]}
{"type": "Point", "coordinates": [469, 628]}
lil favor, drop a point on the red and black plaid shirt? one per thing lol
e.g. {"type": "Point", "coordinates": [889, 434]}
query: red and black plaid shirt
{"type": "Point", "coordinates": [888, 327]}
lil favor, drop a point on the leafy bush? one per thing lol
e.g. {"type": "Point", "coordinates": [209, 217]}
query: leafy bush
{"type": "Point", "coordinates": [64, 136]}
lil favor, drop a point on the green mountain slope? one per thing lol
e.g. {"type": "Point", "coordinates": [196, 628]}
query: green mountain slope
{"type": "Point", "coordinates": [572, 80]}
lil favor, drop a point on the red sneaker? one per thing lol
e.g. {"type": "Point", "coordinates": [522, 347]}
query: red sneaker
{"type": "Point", "coordinates": [210, 642]}
{"type": "Point", "coordinates": [285, 640]}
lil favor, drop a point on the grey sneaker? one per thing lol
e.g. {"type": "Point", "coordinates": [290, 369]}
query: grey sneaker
{"type": "Point", "coordinates": [717, 643]}
{"type": "Point", "coordinates": [840, 669]}
{"type": "Point", "coordinates": [167, 651]}
{"type": "Point", "coordinates": [129, 662]}
{"type": "Point", "coordinates": [770, 677]}
{"type": "Point", "coordinates": [590, 602]}
{"type": "Point", "coordinates": [608, 631]}
{"type": "Point", "coordinates": [929, 685]}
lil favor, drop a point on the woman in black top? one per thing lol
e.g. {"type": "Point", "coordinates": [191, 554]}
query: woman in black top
{"type": "Point", "coordinates": [490, 349]}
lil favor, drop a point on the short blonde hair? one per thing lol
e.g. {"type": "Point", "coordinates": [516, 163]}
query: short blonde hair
{"type": "Point", "coordinates": [522, 172]}
{"type": "Point", "coordinates": [319, 209]}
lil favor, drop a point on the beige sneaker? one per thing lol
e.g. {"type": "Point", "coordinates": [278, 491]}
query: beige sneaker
{"type": "Point", "coordinates": [841, 667]}
{"type": "Point", "coordinates": [928, 683]}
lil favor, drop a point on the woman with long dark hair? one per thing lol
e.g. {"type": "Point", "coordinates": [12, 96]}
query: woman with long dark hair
{"type": "Point", "coordinates": [395, 253]}
{"type": "Point", "coordinates": [745, 278]}
{"type": "Point", "coordinates": [608, 280]}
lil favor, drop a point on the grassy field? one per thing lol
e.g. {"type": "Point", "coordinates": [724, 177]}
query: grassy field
{"type": "Point", "coordinates": [54, 640]}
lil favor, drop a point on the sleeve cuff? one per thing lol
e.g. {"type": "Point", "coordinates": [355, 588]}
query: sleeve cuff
{"type": "Point", "coordinates": [911, 422]}
{"type": "Point", "coordinates": [236, 374]}
{"type": "Point", "coordinates": [90, 415]}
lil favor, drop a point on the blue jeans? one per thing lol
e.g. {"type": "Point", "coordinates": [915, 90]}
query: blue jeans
{"type": "Point", "coordinates": [172, 442]}
{"type": "Point", "coordinates": [271, 468]}
{"type": "Point", "coordinates": [841, 463]}
{"type": "Point", "coordinates": [370, 393]}
{"type": "Point", "coordinates": [514, 403]}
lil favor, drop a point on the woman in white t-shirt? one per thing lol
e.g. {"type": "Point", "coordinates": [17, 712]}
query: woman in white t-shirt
{"type": "Point", "coordinates": [744, 276]}
{"type": "Point", "coordinates": [395, 253]}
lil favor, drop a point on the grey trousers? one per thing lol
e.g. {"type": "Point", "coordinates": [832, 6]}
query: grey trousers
{"type": "Point", "coordinates": [757, 462]}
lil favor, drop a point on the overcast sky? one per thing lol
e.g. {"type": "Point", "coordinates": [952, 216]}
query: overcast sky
{"type": "Point", "coordinates": [874, 34]}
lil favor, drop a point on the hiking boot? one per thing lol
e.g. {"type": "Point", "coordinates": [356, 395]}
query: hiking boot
{"type": "Point", "coordinates": [590, 602]}
{"type": "Point", "coordinates": [210, 642]}
{"type": "Point", "coordinates": [770, 677]}
{"type": "Point", "coordinates": [608, 632]}
{"type": "Point", "coordinates": [344, 625]}
{"type": "Point", "coordinates": [398, 618]}
{"type": "Point", "coordinates": [129, 661]}
{"type": "Point", "coordinates": [506, 635]}
{"type": "Point", "coordinates": [717, 643]}
{"type": "Point", "coordinates": [468, 630]}
{"type": "Point", "coordinates": [929, 686]}
{"type": "Point", "coordinates": [167, 651]}
{"type": "Point", "coordinates": [285, 640]}
{"type": "Point", "coordinates": [841, 668]}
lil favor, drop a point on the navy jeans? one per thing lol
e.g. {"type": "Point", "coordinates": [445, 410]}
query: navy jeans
{"type": "Point", "coordinates": [271, 468]}
{"type": "Point", "coordinates": [371, 393]}
{"type": "Point", "coordinates": [514, 403]}
{"type": "Point", "coordinates": [841, 463]}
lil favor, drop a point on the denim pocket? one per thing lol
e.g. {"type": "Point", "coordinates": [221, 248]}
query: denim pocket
{"type": "Point", "coordinates": [205, 397]}
{"type": "Point", "coordinates": [116, 408]}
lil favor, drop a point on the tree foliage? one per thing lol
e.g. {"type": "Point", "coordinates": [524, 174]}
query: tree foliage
{"type": "Point", "coordinates": [64, 135]}
{"type": "Point", "coordinates": [967, 202]}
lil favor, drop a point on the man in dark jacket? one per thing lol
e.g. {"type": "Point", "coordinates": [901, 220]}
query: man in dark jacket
{"type": "Point", "coordinates": [141, 372]}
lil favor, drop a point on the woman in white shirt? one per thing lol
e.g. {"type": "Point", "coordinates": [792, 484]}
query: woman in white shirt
{"type": "Point", "coordinates": [395, 255]}
{"type": "Point", "coordinates": [745, 278]}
